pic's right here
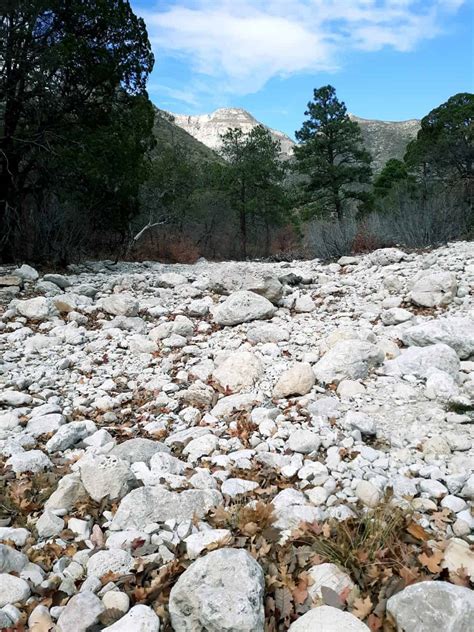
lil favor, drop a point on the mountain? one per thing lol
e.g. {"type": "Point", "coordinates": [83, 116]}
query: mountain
{"type": "Point", "coordinates": [168, 133]}
{"type": "Point", "coordinates": [386, 139]}
{"type": "Point", "coordinates": [383, 139]}
{"type": "Point", "coordinates": [208, 128]}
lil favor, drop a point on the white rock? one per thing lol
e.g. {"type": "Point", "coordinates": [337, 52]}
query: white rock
{"type": "Point", "coordinates": [327, 619]}
{"type": "Point", "coordinates": [433, 289]}
{"type": "Point", "coordinates": [49, 525]}
{"type": "Point", "coordinates": [368, 494]}
{"type": "Point", "coordinates": [299, 379]}
{"type": "Point", "coordinates": [238, 372]}
{"type": "Point", "coordinates": [26, 272]}
{"type": "Point", "coordinates": [30, 461]}
{"type": "Point", "coordinates": [119, 305]}
{"type": "Point", "coordinates": [329, 576]}
{"type": "Point", "coordinates": [155, 504]}
{"type": "Point", "coordinates": [105, 475]}
{"type": "Point", "coordinates": [456, 332]}
{"type": "Point", "coordinates": [140, 618]}
{"type": "Point", "coordinates": [236, 486]}
{"type": "Point", "coordinates": [243, 307]}
{"type": "Point", "coordinates": [15, 398]}
{"type": "Point", "coordinates": [350, 359]}
{"type": "Point", "coordinates": [458, 555]}
{"type": "Point", "coordinates": [196, 543]}
{"type": "Point", "coordinates": [34, 308]}
{"type": "Point", "coordinates": [70, 434]}
{"type": "Point", "coordinates": [421, 361]}
{"type": "Point", "coordinates": [451, 608]}
{"type": "Point", "coordinates": [221, 591]}
{"type": "Point", "coordinates": [304, 441]}
{"type": "Point", "coordinates": [116, 600]}
{"type": "Point", "coordinates": [114, 561]}
{"type": "Point", "coordinates": [80, 613]}
{"type": "Point", "coordinates": [12, 589]}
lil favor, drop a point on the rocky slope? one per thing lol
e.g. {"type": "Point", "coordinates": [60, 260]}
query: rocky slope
{"type": "Point", "coordinates": [383, 139]}
{"type": "Point", "coordinates": [164, 430]}
{"type": "Point", "coordinates": [208, 128]}
{"type": "Point", "coordinates": [387, 139]}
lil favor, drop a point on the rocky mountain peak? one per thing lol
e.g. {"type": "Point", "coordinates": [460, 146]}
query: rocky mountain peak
{"type": "Point", "coordinates": [384, 139]}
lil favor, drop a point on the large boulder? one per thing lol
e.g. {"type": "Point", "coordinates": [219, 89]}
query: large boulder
{"type": "Point", "coordinates": [456, 332]}
{"type": "Point", "coordinates": [348, 360]}
{"type": "Point", "coordinates": [328, 619]}
{"type": "Point", "coordinates": [299, 379]}
{"type": "Point", "coordinates": [238, 372]}
{"type": "Point", "coordinates": [422, 361]}
{"type": "Point", "coordinates": [238, 277]}
{"type": "Point", "coordinates": [220, 592]}
{"type": "Point", "coordinates": [145, 505]}
{"type": "Point", "coordinates": [432, 289]}
{"type": "Point", "coordinates": [34, 308]}
{"type": "Point", "coordinates": [105, 476]}
{"type": "Point", "coordinates": [243, 307]}
{"type": "Point", "coordinates": [119, 305]}
{"type": "Point", "coordinates": [429, 606]}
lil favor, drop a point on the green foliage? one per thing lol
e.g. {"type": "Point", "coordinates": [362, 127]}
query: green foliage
{"type": "Point", "coordinates": [444, 147]}
{"type": "Point", "coordinates": [75, 116]}
{"type": "Point", "coordinates": [331, 156]}
{"type": "Point", "coordinates": [253, 179]}
{"type": "Point", "coordinates": [393, 172]}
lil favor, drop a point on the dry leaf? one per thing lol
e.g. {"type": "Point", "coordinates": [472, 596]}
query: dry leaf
{"type": "Point", "coordinates": [432, 562]}
{"type": "Point", "coordinates": [417, 531]}
{"type": "Point", "coordinates": [374, 622]}
{"type": "Point", "coordinates": [300, 593]}
{"type": "Point", "coordinates": [442, 518]}
{"type": "Point", "coordinates": [361, 608]}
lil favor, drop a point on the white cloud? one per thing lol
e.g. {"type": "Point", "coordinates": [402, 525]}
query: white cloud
{"type": "Point", "coordinates": [236, 46]}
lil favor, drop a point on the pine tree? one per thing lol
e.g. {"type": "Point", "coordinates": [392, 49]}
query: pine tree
{"type": "Point", "coordinates": [331, 156]}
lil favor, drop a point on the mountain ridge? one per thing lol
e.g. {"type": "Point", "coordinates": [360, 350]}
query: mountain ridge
{"type": "Point", "coordinates": [384, 139]}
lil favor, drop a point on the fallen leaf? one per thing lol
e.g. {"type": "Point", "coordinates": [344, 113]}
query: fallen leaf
{"type": "Point", "coordinates": [432, 562]}
{"type": "Point", "coordinates": [361, 608]}
{"type": "Point", "coordinates": [300, 593]}
{"type": "Point", "coordinates": [417, 531]}
{"type": "Point", "coordinates": [374, 622]}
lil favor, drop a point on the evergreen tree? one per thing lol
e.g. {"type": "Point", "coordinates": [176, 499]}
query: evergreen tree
{"type": "Point", "coordinates": [75, 120]}
{"type": "Point", "coordinates": [253, 178]}
{"type": "Point", "coordinates": [444, 146]}
{"type": "Point", "coordinates": [331, 156]}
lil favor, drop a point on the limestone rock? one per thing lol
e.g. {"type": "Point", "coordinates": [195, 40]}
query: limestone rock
{"type": "Point", "coordinates": [350, 359]}
{"type": "Point", "coordinates": [34, 308]}
{"type": "Point", "coordinates": [329, 576]}
{"type": "Point", "coordinates": [421, 361]}
{"type": "Point", "coordinates": [328, 619]}
{"type": "Point", "coordinates": [105, 475]}
{"type": "Point", "coordinates": [433, 289]}
{"type": "Point", "coordinates": [140, 618]}
{"type": "Point", "coordinates": [221, 591]}
{"type": "Point", "coordinates": [156, 504]}
{"type": "Point", "coordinates": [430, 605]}
{"type": "Point", "coordinates": [299, 379]}
{"type": "Point", "coordinates": [115, 561]}
{"type": "Point", "coordinates": [80, 613]}
{"type": "Point", "coordinates": [243, 307]}
{"type": "Point", "coordinates": [238, 372]}
{"type": "Point", "coordinates": [12, 589]}
{"type": "Point", "coordinates": [456, 332]}
{"type": "Point", "coordinates": [119, 305]}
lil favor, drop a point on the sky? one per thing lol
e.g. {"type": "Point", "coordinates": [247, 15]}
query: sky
{"type": "Point", "coordinates": [388, 59]}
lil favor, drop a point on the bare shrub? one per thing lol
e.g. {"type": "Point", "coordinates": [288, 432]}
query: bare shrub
{"type": "Point", "coordinates": [421, 219]}
{"type": "Point", "coordinates": [330, 239]}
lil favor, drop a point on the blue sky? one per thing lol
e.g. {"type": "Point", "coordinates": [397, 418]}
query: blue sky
{"type": "Point", "coordinates": [388, 59]}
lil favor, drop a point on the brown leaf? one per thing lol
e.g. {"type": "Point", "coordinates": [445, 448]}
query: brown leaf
{"type": "Point", "coordinates": [300, 593]}
{"type": "Point", "coordinates": [409, 574]}
{"type": "Point", "coordinates": [442, 518]}
{"type": "Point", "coordinates": [361, 608]}
{"type": "Point", "coordinates": [374, 622]}
{"type": "Point", "coordinates": [432, 562]}
{"type": "Point", "coordinates": [417, 531]}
